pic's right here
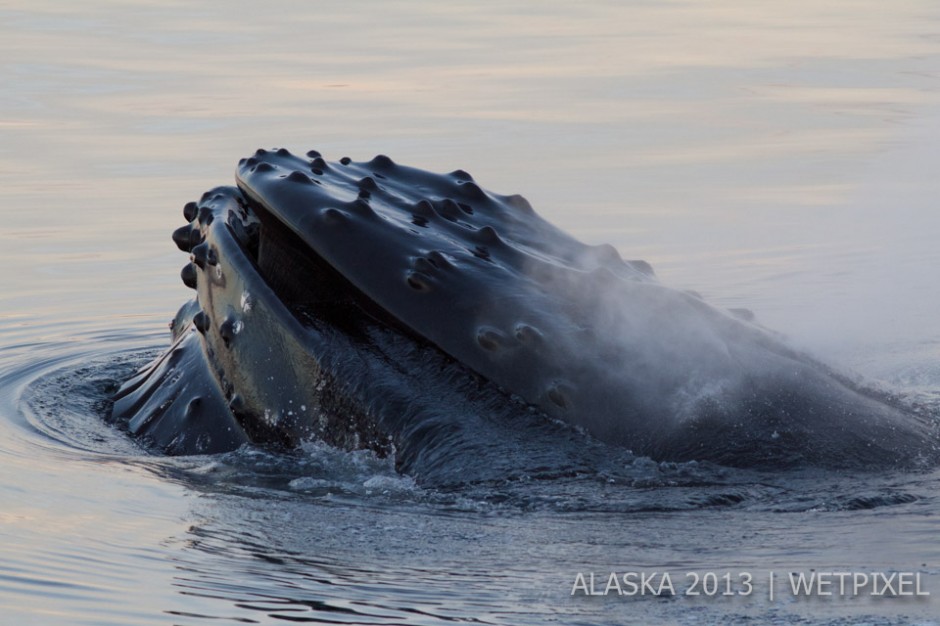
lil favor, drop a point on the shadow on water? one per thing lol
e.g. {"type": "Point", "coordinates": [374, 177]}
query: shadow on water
{"type": "Point", "coordinates": [321, 535]}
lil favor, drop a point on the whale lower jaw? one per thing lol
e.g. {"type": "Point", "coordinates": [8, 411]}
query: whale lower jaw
{"type": "Point", "coordinates": [242, 366]}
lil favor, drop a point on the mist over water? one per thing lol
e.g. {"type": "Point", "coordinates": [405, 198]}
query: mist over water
{"type": "Point", "coordinates": [668, 375]}
{"type": "Point", "coordinates": [776, 158]}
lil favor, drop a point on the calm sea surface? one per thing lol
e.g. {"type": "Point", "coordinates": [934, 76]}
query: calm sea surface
{"type": "Point", "coordinates": [781, 157]}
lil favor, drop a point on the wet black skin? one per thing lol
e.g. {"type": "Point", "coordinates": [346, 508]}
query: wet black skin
{"type": "Point", "coordinates": [373, 305]}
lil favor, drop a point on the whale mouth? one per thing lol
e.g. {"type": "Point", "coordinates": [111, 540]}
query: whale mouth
{"type": "Point", "coordinates": [306, 283]}
{"type": "Point", "coordinates": [340, 246]}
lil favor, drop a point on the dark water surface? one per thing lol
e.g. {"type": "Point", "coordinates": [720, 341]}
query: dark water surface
{"type": "Point", "coordinates": [778, 158]}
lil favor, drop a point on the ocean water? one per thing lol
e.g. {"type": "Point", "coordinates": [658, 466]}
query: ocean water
{"type": "Point", "coordinates": [779, 158]}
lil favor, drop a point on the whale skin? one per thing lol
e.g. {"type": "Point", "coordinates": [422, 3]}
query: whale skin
{"type": "Point", "coordinates": [374, 305]}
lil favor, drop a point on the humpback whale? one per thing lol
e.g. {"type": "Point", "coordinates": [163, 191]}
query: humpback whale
{"type": "Point", "coordinates": [374, 305]}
